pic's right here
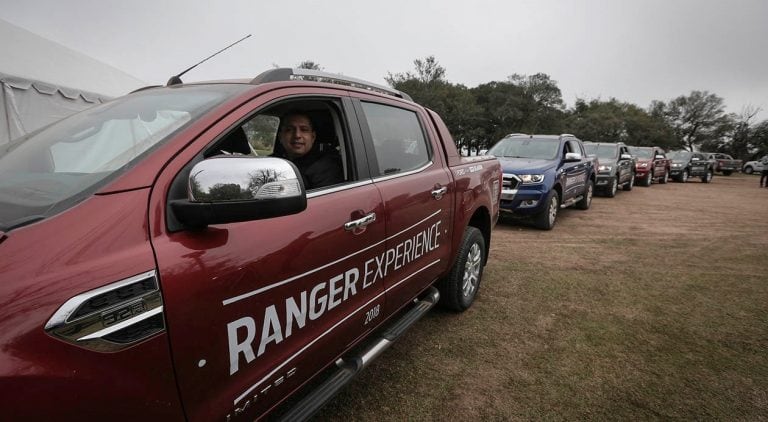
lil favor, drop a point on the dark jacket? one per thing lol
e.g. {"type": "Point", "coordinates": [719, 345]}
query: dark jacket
{"type": "Point", "coordinates": [317, 168]}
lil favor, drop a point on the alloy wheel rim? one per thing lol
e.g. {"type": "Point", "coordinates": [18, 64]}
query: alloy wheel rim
{"type": "Point", "coordinates": [552, 210]}
{"type": "Point", "coordinates": [472, 270]}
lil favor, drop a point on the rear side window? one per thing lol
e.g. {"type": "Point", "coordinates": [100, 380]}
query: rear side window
{"type": "Point", "coordinates": [398, 138]}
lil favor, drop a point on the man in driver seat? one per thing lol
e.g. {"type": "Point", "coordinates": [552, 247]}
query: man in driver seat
{"type": "Point", "coordinates": [297, 139]}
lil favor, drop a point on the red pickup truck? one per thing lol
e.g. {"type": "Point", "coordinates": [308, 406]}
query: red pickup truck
{"type": "Point", "coordinates": [652, 164]}
{"type": "Point", "coordinates": [157, 266]}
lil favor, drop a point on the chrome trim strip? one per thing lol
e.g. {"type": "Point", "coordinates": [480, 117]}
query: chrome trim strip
{"type": "Point", "coordinates": [238, 298]}
{"type": "Point", "coordinates": [407, 173]}
{"type": "Point", "coordinates": [122, 324]}
{"type": "Point", "coordinates": [61, 316]}
{"type": "Point", "coordinates": [339, 189]}
{"type": "Point", "coordinates": [326, 332]}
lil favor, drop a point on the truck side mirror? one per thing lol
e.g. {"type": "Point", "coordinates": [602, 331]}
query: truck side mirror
{"type": "Point", "coordinates": [572, 156]}
{"type": "Point", "coordinates": [228, 189]}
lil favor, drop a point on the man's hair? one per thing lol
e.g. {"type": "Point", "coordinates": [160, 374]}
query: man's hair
{"type": "Point", "coordinates": [296, 112]}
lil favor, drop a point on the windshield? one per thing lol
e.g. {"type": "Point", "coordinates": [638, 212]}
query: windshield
{"type": "Point", "coordinates": [604, 151]}
{"type": "Point", "coordinates": [56, 167]}
{"type": "Point", "coordinates": [679, 155]}
{"type": "Point", "coordinates": [538, 148]}
{"type": "Point", "coordinates": [640, 152]}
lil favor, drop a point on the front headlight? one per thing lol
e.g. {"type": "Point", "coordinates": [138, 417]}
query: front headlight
{"type": "Point", "coordinates": [604, 169]}
{"type": "Point", "coordinates": [532, 178]}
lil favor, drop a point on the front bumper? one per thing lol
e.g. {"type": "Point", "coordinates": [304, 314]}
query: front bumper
{"type": "Point", "coordinates": [604, 181]}
{"type": "Point", "coordinates": [523, 201]}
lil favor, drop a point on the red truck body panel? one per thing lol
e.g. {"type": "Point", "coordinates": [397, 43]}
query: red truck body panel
{"type": "Point", "coordinates": [101, 240]}
{"type": "Point", "coordinates": [253, 310]}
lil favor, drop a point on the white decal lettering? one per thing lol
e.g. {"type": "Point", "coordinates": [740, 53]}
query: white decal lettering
{"type": "Point", "coordinates": [244, 347]}
{"type": "Point", "coordinates": [271, 330]}
{"type": "Point", "coordinates": [294, 313]}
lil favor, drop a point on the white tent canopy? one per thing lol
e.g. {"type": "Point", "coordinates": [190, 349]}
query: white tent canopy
{"type": "Point", "coordinates": [42, 81]}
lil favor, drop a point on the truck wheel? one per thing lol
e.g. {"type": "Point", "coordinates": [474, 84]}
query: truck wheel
{"type": "Point", "coordinates": [664, 179]}
{"type": "Point", "coordinates": [586, 201]}
{"type": "Point", "coordinates": [629, 185]}
{"type": "Point", "coordinates": [684, 176]}
{"type": "Point", "coordinates": [648, 178]}
{"type": "Point", "coordinates": [707, 177]}
{"type": "Point", "coordinates": [459, 288]}
{"type": "Point", "coordinates": [614, 188]}
{"type": "Point", "coordinates": [545, 220]}
{"type": "Point", "coordinates": [727, 172]}
{"type": "Point", "coordinates": [748, 169]}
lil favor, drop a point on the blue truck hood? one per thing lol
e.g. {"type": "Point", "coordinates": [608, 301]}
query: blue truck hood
{"type": "Point", "coordinates": [525, 165]}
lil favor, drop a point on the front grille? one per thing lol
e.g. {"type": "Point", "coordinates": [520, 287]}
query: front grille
{"type": "Point", "coordinates": [510, 181]}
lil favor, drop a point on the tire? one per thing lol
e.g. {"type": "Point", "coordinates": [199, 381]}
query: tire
{"type": "Point", "coordinates": [707, 177]}
{"type": "Point", "coordinates": [459, 288]}
{"type": "Point", "coordinates": [648, 178]}
{"type": "Point", "coordinates": [546, 219]}
{"type": "Point", "coordinates": [727, 172]}
{"type": "Point", "coordinates": [586, 201]}
{"type": "Point", "coordinates": [748, 170]}
{"type": "Point", "coordinates": [664, 179]}
{"type": "Point", "coordinates": [684, 176]}
{"type": "Point", "coordinates": [613, 189]}
{"type": "Point", "coordinates": [629, 185]}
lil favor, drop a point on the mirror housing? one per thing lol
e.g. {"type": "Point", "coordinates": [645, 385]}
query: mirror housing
{"type": "Point", "coordinates": [571, 157]}
{"type": "Point", "coordinates": [229, 188]}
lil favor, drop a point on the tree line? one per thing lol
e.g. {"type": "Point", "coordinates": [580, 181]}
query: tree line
{"type": "Point", "coordinates": [480, 116]}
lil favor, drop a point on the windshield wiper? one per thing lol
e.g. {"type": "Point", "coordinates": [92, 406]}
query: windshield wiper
{"type": "Point", "coordinates": [20, 222]}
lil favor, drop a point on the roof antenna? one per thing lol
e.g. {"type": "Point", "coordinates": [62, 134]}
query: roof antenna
{"type": "Point", "coordinates": [176, 80]}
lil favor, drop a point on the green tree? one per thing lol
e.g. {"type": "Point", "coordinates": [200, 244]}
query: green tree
{"type": "Point", "coordinates": [309, 64]}
{"type": "Point", "coordinates": [454, 103]}
{"type": "Point", "coordinates": [695, 118]}
{"type": "Point", "coordinates": [615, 121]}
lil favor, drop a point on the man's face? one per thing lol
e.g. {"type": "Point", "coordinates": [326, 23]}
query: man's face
{"type": "Point", "coordinates": [297, 135]}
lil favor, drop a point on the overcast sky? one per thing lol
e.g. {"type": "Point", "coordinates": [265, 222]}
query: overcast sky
{"type": "Point", "coordinates": [636, 51]}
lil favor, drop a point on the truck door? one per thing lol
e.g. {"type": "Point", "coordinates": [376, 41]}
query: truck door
{"type": "Point", "coordinates": [418, 193]}
{"type": "Point", "coordinates": [255, 308]}
{"type": "Point", "coordinates": [575, 172]}
{"type": "Point", "coordinates": [625, 166]}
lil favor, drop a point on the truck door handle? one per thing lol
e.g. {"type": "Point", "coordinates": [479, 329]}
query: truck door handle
{"type": "Point", "coordinates": [362, 222]}
{"type": "Point", "coordinates": [438, 193]}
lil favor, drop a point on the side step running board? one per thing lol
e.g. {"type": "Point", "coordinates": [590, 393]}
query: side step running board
{"type": "Point", "coordinates": [350, 366]}
{"type": "Point", "coordinates": [571, 201]}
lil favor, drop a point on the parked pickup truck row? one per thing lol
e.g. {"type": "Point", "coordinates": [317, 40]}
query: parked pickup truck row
{"type": "Point", "coordinates": [154, 268]}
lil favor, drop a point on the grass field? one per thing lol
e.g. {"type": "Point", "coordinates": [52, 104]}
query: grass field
{"type": "Point", "coordinates": [650, 305]}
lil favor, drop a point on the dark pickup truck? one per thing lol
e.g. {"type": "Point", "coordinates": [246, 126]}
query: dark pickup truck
{"type": "Point", "coordinates": [543, 173]}
{"type": "Point", "coordinates": [155, 269]}
{"type": "Point", "coordinates": [615, 167]}
{"type": "Point", "coordinates": [686, 164]}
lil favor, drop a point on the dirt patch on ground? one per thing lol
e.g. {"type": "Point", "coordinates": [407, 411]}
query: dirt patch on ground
{"type": "Point", "coordinates": [652, 304]}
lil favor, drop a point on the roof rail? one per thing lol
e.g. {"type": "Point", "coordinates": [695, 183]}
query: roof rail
{"type": "Point", "coordinates": [562, 135]}
{"type": "Point", "coordinates": [518, 134]}
{"type": "Point", "coordinates": [289, 74]}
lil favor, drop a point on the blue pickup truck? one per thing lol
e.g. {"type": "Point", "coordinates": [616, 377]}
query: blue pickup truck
{"type": "Point", "coordinates": [543, 173]}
